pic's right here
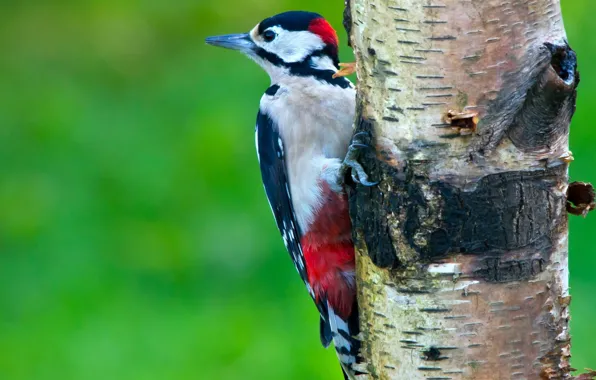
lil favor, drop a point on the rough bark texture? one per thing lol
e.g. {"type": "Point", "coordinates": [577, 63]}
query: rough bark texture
{"type": "Point", "coordinates": [462, 247]}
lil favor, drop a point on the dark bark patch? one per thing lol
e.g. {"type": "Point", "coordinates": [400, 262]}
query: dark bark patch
{"type": "Point", "coordinates": [495, 270]}
{"type": "Point", "coordinates": [432, 354]}
{"type": "Point", "coordinates": [580, 198]}
{"type": "Point", "coordinates": [367, 205]}
{"type": "Point", "coordinates": [506, 211]}
{"type": "Point", "coordinates": [510, 211]}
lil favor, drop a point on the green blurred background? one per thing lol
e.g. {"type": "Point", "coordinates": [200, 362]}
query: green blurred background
{"type": "Point", "coordinates": [135, 238]}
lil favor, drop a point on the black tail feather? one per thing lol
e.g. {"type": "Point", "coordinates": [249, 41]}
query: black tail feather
{"type": "Point", "coordinates": [325, 332]}
{"type": "Point", "coordinates": [344, 334]}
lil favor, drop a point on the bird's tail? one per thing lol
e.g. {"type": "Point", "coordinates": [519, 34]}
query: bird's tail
{"type": "Point", "coordinates": [347, 346]}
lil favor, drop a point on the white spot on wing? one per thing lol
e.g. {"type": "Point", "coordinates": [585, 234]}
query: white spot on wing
{"type": "Point", "coordinates": [280, 144]}
{"type": "Point", "coordinates": [285, 237]}
{"type": "Point", "coordinates": [257, 141]}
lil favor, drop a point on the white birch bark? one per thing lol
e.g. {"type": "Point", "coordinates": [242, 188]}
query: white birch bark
{"type": "Point", "coordinates": [462, 247]}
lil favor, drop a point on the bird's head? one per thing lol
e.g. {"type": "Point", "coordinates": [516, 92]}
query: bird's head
{"type": "Point", "coordinates": [291, 41]}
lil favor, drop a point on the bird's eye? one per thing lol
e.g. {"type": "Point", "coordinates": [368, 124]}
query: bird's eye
{"type": "Point", "coordinates": [269, 35]}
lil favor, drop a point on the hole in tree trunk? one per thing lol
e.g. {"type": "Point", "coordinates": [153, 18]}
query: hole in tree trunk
{"type": "Point", "coordinates": [564, 62]}
{"type": "Point", "coordinates": [580, 198]}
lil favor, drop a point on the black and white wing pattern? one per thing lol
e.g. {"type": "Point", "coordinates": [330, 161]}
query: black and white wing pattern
{"type": "Point", "coordinates": [270, 150]}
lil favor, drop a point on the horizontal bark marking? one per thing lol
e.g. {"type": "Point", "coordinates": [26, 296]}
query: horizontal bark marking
{"type": "Point", "coordinates": [506, 211]}
{"type": "Point", "coordinates": [495, 270]}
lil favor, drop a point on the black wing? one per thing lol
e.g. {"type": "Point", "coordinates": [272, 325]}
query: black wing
{"type": "Point", "coordinates": [272, 161]}
{"type": "Point", "coordinates": [270, 149]}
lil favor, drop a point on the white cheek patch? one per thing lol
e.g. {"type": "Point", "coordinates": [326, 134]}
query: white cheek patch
{"type": "Point", "coordinates": [290, 46]}
{"type": "Point", "coordinates": [323, 63]}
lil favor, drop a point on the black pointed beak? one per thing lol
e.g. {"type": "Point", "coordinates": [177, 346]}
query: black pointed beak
{"type": "Point", "coordinates": [241, 42]}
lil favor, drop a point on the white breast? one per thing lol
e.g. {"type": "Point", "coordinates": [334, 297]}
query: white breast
{"type": "Point", "coordinates": [315, 122]}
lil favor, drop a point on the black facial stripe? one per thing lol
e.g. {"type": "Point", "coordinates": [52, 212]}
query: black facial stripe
{"type": "Point", "coordinates": [273, 58]}
{"type": "Point", "coordinates": [304, 69]}
{"type": "Point", "coordinates": [322, 75]}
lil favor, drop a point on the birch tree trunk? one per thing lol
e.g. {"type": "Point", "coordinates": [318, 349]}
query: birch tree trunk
{"type": "Point", "coordinates": [462, 247]}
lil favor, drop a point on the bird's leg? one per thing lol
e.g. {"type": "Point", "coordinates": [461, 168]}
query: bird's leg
{"type": "Point", "coordinates": [351, 162]}
{"type": "Point", "coordinates": [346, 69]}
{"type": "Point", "coordinates": [335, 174]}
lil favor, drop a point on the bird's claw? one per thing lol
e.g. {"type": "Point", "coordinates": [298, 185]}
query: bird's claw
{"type": "Point", "coordinates": [351, 163]}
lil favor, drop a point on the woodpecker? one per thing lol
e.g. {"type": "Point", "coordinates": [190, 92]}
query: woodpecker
{"type": "Point", "coordinates": [305, 148]}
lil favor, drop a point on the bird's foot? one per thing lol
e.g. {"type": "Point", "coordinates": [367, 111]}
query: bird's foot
{"type": "Point", "coordinates": [346, 69]}
{"type": "Point", "coordinates": [351, 164]}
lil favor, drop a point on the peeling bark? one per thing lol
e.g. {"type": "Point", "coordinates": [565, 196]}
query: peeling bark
{"type": "Point", "coordinates": [462, 247]}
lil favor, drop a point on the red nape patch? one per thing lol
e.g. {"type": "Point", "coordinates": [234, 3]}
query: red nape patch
{"type": "Point", "coordinates": [323, 29]}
